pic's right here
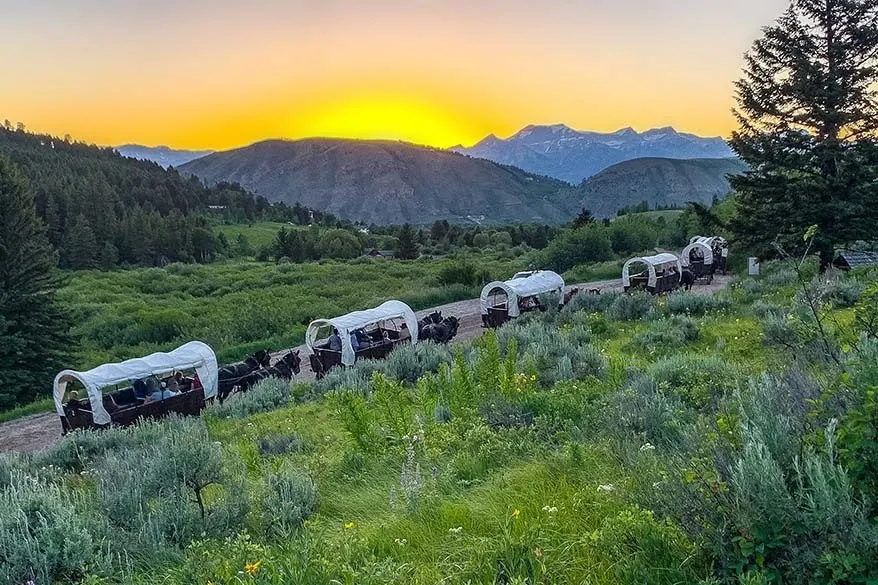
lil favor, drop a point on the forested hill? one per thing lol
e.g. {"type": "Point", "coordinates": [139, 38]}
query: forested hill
{"type": "Point", "coordinates": [102, 208]}
{"type": "Point", "coordinates": [386, 182]}
{"type": "Point", "coordinates": [660, 182]}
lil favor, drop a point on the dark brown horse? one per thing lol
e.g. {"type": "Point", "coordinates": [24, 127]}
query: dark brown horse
{"type": "Point", "coordinates": [233, 375]}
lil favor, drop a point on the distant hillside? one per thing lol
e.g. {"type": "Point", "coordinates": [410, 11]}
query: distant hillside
{"type": "Point", "coordinates": [98, 204]}
{"type": "Point", "coordinates": [659, 181]}
{"type": "Point", "coordinates": [385, 182]}
{"type": "Point", "coordinates": [161, 155]}
{"type": "Point", "coordinates": [571, 155]}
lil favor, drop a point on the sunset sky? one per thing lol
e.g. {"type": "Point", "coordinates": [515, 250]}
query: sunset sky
{"type": "Point", "coordinates": [222, 73]}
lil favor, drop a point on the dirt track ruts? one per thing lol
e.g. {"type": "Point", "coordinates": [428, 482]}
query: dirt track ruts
{"type": "Point", "coordinates": [36, 432]}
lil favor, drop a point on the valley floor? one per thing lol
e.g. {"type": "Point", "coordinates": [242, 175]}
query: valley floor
{"type": "Point", "coordinates": [36, 432]}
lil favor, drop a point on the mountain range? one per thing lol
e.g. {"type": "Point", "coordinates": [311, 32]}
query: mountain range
{"type": "Point", "coordinates": [661, 182]}
{"type": "Point", "coordinates": [386, 182]}
{"type": "Point", "coordinates": [570, 155]}
{"type": "Point", "coordinates": [162, 155]}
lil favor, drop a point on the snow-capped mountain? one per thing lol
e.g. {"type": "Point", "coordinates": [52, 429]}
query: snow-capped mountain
{"type": "Point", "coordinates": [571, 155]}
{"type": "Point", "coordinates": [164, 156]}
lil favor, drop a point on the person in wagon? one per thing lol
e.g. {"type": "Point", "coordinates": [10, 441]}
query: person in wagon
{"type": "Point", "coordinates": [155, 391]}
{"type": "Point", "coordinates": [334, 340]}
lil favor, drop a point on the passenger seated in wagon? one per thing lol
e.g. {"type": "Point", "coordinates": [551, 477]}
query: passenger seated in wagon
{"type": "Point", "coordinates": [369, 334]}
{"type": "Point", "coordinates": [134, 402]}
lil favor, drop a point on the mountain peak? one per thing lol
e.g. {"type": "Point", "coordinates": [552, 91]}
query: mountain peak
{"type": "Point", "coordinates": [570, 155]}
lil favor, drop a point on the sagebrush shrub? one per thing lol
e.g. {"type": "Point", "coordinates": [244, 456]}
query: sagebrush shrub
{"type": "Point", "coordinates": [632, 307]}
{"type": "Point", "coordinates": [644, 412]}
{"type": "Point", "coordinates": [167, 493]}
{"type": "Point", "coordinates": [410, 362]}
{"type": "Point", "coordinates": [290, 499]}
{"type": "Point", "coordinates": [834, 288]}
{"type": "Point", "coordinates": [590, 303]}
{"type": "Point", "coordinates": [668, 334]}
{"type": "Point", "coordinates": [698, 379]}
{"type": "Point", "coordinates": [689, 304]}
{"type": "Point", "coordinates": [282, 445]}
{"type": "Point", "coordinates": [267, 395]}
{"type": "Point", "coordinates": [48, 534]}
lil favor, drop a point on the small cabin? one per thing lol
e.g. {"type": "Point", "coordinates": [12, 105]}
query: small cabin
{"type": "Point", "coordinates": [850, 259]}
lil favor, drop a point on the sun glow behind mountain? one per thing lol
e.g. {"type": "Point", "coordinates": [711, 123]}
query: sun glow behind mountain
{"type": "Point", "coordinates": [384, 117]}
{"type": "Point", "coordinates": [215, 74]}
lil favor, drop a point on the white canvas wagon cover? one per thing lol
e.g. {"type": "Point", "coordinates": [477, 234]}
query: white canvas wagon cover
{"type": "Point", "coordinates": [349, 323]}
{"type": "Point", "coordinates": [195, 355]}
{"type": "Point", "coordinates": [652, 263]}
{"type": "Point", "coordinates": [536, 283]}
{"type": "Point", "coordinates": [703, 244]}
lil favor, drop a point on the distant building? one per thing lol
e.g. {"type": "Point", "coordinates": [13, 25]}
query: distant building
{"type": "Point", "coordinates": [848, 259]}
{"type": "Point", "coordinates": [217, 207]}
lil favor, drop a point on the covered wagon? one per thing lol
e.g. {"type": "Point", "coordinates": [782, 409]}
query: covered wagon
{"type": "Point", "coordinates": [124, 406]}
{"type": "Point", "coordinates": [719, 248]}
{"type": "Point", "coordinates": [699, 258]}
{"type": "Point", "coordinates": [369, 334]}
{"type": "Point", "coordinates": [657, 274]}
{"type": "Point", "coordinates": [502, 301]}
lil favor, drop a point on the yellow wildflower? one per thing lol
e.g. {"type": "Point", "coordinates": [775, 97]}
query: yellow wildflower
{"type": "Point", "coordinates": [516, 513]}
{"type": "Point", "coordinates": [252, 568]}
{"type": "Point", "coordinates": [349, 525]}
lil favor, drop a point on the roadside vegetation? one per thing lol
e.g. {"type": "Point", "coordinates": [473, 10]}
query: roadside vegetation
{"type": "Point", "coordinates": [618, 440]}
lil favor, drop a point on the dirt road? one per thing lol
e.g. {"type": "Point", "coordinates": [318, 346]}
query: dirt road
{"type": "Point", "coordinates": [36, 432]}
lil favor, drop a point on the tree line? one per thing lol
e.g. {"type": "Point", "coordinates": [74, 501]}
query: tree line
{"type": "Point", "coordinates": [102, 209]}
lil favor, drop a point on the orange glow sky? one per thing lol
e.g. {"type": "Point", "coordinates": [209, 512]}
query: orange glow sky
{"type": "Point", "coordinates": [221, 73]}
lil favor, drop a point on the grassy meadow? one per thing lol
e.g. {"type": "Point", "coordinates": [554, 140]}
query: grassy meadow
{"type": "Point", "coordinates": [621, 440]}
{"type": "Point", "coordinates": [239, 306]}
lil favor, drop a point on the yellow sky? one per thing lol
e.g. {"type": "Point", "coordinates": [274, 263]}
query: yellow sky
{"type": "Point", "coordinates": [219, 74]}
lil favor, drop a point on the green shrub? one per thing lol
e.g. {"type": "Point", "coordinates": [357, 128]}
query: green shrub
{"type": "Point", "coordinates": [166, 494]}
{"type": "Point", "coordinates": [641, 549]}
{"type": "Point", "coordinates": [290, 499]}
{"type": "Point", "coordinates": [858, 446]}
{"type": "Point", "coordinates": [267, 395]}
{"type": "Point", "coordinates": [689, 304]}
{"type": "Point", "coordinates": [696, 378]}
{"type": "Point", "coordinates": [410, 362]}
{"type": "Point", "coordinates": [632, 307]}
{"type": "Point", "coordinates": [645, 412]}
{"type": "Point", "coordinates": [667, 334]}
{"type": "Point", "coordinates": [462, 272]}
{"type": "Point", "coordinates": [48, 535]}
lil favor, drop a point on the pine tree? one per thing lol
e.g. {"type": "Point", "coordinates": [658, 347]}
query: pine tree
{"type": "Point", "coordinates": [32, 328]}
{"type": "Point", "coordinates": [583, 219]}
{"type": "Point", "coordinates": [407, 247]}
{"type": "Point", "coordinates": [109, 256]}
{"type": "Point", "coordinates": [808, 117]}
{"type": "Point", "coordinates": [79, 247]}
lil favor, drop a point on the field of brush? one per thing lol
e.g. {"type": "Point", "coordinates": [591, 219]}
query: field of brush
{"type": "Point", "coordinates": [238, 306]}
{"type": "Point", "coordinates": [623, 439]}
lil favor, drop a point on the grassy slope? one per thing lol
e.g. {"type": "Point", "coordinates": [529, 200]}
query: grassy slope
{"type": "Point", "coordinates": [258, 234]}
{"type": "Point", "coordinates": [461, 529]}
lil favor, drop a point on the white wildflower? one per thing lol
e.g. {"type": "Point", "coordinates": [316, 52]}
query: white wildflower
{"type": "Point", "coordinates": [605, 489]}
